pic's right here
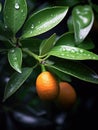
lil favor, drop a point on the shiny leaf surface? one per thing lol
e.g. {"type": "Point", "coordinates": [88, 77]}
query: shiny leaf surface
{"type": "Point", "coordinates": [16, 81]}
{"type": "Point", "coordinates": [74, 53]}
{"type": "Point", "coordinates": [43, 21]}
{"type": "Point", "coordinates": [15, 59]}
{"type": "Point", "coordinates": [15, 12]}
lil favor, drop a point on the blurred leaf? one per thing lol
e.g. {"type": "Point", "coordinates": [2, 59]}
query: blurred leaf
{"type": "Point", "coordinates": [43, 21]}
{"type": "Point", "coordinates": [0, 7]}
{"type": "Point", "coordinates": [16, 81]}
{"type": "Point", "coordinates": [15, 59]}
{"type": "Point", "coordinates": [47, 45]}
{"type": "Point", "coordinates": [15, 13]}
{"type": "Point", "coordinates": [78, 70]}
{"type": "Point", "coordinates": [83, 19]}
{"type": "Point", "coordinates": [74, 53]}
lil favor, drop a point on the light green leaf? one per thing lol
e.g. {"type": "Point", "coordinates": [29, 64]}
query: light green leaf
{"type": "Point", "coordinates": [47, 45]}
{"type": "Point", "coordinates": [15, 12]}
{"type": "Point", "coordinates": [43, 21]}
{"type": "Point", "coordinates": [74, 53]}
{"type": "Point", "coordinates": [15, 59]}
{"type": "Point", "coordinates": [76, 69]}
{"type": "Point", "coordinates": [83, 19]}
{"type": "Point", "coordinates": [16, 81]}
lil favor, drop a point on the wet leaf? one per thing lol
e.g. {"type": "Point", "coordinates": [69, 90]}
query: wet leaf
{"type": "Point", "coordinates": [15, 59]}
{"type": "Point", "coordinates": [15, 12]}
{"type": "Point", "coordinates": [73, 53]}
{"type": "Point", "coordinates": [16, 81]}
{"type": "Point", "coordinates": [43, 21]}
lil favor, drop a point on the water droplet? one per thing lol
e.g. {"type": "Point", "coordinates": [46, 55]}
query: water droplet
{"type": "Point", "coordinates": [16, 6]}
{"type": "Point", "coordinates": [15, 58]}
{"type": "Point", "coordinates": [39, 22]}
{"type": "Point", "coordinates": [32, 26]}
{"type": "Point", "coordinates": [6, 26]}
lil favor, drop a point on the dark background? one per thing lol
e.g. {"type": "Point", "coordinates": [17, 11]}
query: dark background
{"type": "Point", "coordinates": [24, 110]}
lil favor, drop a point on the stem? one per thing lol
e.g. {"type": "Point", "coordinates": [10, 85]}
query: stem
{"type": "Point", "coordinates": [43, 68]}
{"type": "Point", "coordinates": [31, 54]}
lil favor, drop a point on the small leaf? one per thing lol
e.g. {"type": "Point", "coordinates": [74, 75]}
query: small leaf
{"type": "Point", "coordinates": [15, 59]}
{"type": "Point", "coordinates": [15, 12]}
{"type": "Point", "coordinates": [16, 81]}
{"type": "Point", "coordinates": [78, 70]}
{"type": "Point", "coordinates": [43, 21]}
{"type": "Point", "coordinates": [83, 19]}
{"type": "Point", "coordinates": [74, 53]}
{"type": "Point", "coordinates": [47, 45]}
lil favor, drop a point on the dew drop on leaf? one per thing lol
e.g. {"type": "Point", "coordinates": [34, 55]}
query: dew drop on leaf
{"type": "Point", "coordinates": [16, 6]}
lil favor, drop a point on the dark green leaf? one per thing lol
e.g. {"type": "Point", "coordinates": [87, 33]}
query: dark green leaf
{"type": "Point", "coordinates": [69, 40]}
{"type": "Point", "coordinates": [43, 21]}
{"type": "Point", "coordinates": [83, 19]}
{"type": "Point", "coordinates": [15, 58]}
{"type": "Point", "coordinates": [16, 81]}
{"type": "Point", "coordinates": [46, 46]}
{"type": "Point", "coordinates": [66, 39]}
{"type": "Point", "coordinates": [15, 12]}
{"type": "Point", "coordinates": [74, 53]}
{"type": "Point", "coordinates": [61, 75]}
{"type": "Point", "coordinates": [78, 70]}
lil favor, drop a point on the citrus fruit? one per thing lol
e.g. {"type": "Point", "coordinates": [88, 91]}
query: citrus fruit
{"type": "Point", "coordinates": [67, 95]}
{"type": "Point", "coordinates": [47, 86]}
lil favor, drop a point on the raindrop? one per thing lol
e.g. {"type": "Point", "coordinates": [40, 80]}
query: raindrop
{"type": "Point", "coordinates": [22, 11]}
{"type": "Point", "coordinates": [15, 58]}
{"type": "Point", "coordinates": [81, 51]}
{"type": "Point", "coordinates": [16, 6]}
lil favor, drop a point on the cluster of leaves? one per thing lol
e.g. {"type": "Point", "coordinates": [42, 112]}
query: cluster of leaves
{"type": "Point", "coordinates": [60, 54]}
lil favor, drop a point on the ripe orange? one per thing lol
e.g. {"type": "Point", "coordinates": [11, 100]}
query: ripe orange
{"type": "Point", "coordinates": [67, 95]}
{"type": "Point", "coordinates": [47, 86]}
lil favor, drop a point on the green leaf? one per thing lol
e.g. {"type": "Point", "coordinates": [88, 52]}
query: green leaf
{"type": "Point", "coordinates": [0, 7]}
{"type": "Point", "coordinates": [66, 39]}
{"type": "Point", "coordinates": [78, 70]}
{"type": "Point", "coordinates": [43, 21]}
{"type": "Point", "coordinates": [16, 81]}
{"type": "Point", "coordinates": [62, 76]}
{"type": "Point", "coordinates": [74, 53]}
{"type": "Point", "coordinates": [83, 19]}
{"type": "Point", "coordinates": [69, 40]}
{"type": "Point", "coordinates": [47, 45]}
{"type": "Point", "coordinates": [15, 12]}
{"type": "Point", "coordinates": [15, 59]}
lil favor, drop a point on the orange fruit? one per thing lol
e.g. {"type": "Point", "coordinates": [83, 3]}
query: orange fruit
{"type": "Point", "coordinates": [67, 95]}
{"type": "Point", "coordinates": [47, 86]}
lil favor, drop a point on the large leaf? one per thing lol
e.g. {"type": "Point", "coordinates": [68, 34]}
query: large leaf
{"type": "Point", "coordinates": [83, 19]}
{"type": "Point", "coordinates": [15, 12]}
{"type": "Point", "coordinates": [43, 21]}
{"type": "Point", "coordinates": [74, 53]}
{"type": "Point", "coordinates": [47, 44]}
{"type": "Point", "coordinates": [77, 70]}
{"type": "Point", "coordinates": [16, 81]}
{"type": "Point", "coordinates": [15, 58]}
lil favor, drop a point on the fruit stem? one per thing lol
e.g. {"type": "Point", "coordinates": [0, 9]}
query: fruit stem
{"type": "Point", "coordinates": [43, 68]}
